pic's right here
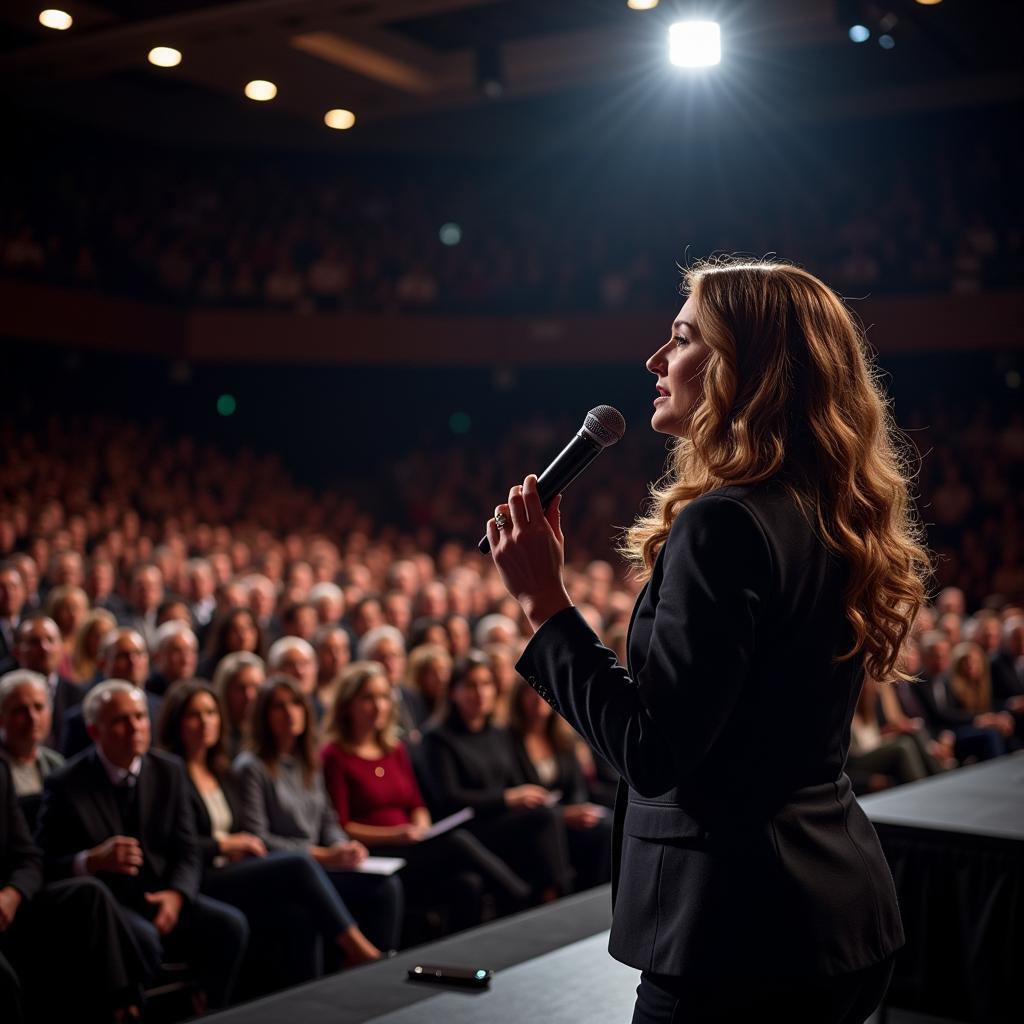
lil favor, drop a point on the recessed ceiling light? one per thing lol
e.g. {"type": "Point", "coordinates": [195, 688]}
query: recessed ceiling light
{"type": "Point", "coordinates": [641, 5]}
{"type": "Point", "coordinates": [340, 119]}
{"type": "Point", "coordinates": [260, 90]}
{"type": "Point", "coordinates": [165, 56]}
{"type": "Point", "coordinates": [59, 20]}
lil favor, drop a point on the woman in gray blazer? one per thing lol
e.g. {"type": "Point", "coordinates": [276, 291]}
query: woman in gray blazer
{"type": "Point", "coordinates": [782, 561]}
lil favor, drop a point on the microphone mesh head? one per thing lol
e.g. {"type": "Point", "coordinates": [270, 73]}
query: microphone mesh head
{"type": "Point", "coordinates": [604, 425]}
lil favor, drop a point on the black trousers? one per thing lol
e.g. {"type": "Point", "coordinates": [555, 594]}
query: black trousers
{"type": "Point", "coordinates": [532, 841]}
{"type": "Point", "coordinates": [456, 867]}
{"type": "Point", "coordinates": [210, 935]}
{"type": "Point", "coordinates": [72, 930]}
{"type": "Point", "coordinates": [839, 999]}
{"type": "Point", "coordinates": [290, 905]}
{"type": "Point", "coordinates": [376, 901]}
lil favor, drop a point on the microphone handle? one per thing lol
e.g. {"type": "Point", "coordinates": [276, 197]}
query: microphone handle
{"type": "Point", "coordinates": [579, 453]}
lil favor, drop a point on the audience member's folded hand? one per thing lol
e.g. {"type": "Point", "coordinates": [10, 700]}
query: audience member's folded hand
{"type": "Point", "coordinates": [10, 900]}
{"type": "Point", "coordinates": [120, 855]}
{"type": "Point", "coordinates": [168, 908]}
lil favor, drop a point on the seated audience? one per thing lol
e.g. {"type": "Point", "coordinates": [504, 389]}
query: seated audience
{"type": "Point", "coordinates": [545, 745]}
{"type": "Point", "coordinates": [386, 645]}
{"type": "Point", "coordinates": [235, 629]}
{"type": "Point", "coordinates": [122, 813]}
{"type": "Point", "coordinates": [333, 650]}
{"type": "Point", "coordinates": [123, 655]}
{"type": "Point", "coordinates": [471, 763]}
{"type": "Point", "coordinates": [373, 788]}
{"type": "Point", "coordinates": [876, 760]}
{"type": "Point", "coordinates": [38, 648]}
{"type": "Point", "coordinates": [236, 682]}
{"type": "Point", "coordinates": [427, 673]}
{"type": "Point", "coordinates": [12, 605]}
{"type": "Point", "coordinates": [69, 931]}
{"type": "Point", "coordinates": [237, 869]}
{"type": "Point", "coordinates": [285, 804]}
{"type": "Point", "coordinates": [24, 725]}
{"type": "Point", "coordinates": [68, 606]}
{"type": "Point", "coordinates": [85, 654]}
{"type": "Point", "coordinates": [174, 656]}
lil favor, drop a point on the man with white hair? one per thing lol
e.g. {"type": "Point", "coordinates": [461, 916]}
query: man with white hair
{"type": "Point", "coordinates": [122, 813]}
{"type": "Point", "coordinates": [174, 657]}
{"type": "Point", "coordinates": [295, 657]}
{"type": "Point", "coordinates": [25, 716]}
{"type": "Point", "coordinates": [123, 655]}
{"type": "Point", "coordinates": [495, 629]}
{"type": "Point", "coordinates": [38, 648]}
{"type": "Point", "coordinates": [386, 645]}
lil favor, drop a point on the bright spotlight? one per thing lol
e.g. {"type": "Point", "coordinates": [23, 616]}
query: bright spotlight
{"type": "Point", "coordinates": [59, 20]}
{"type": "Point", "coordinates": [165, 56]}
{"type": "Point", "coordinates": [929, 3]}
{"type": "Point", "coordinates": [860, 33]}
{"type": "Point", "coordinates": [694, 44]}
{"type": "Point", "coordinates": [340, 119]}
{"type": "Point", "coordinates": [641, 5]}
{"type": "Point", "coordinates": [260, 90]}
{"type": "Point", "coordinates": [886, 42]}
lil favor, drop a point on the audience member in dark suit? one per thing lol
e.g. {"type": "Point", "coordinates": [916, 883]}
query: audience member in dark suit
{"type": "Point", "coordinates": [1008, 672]}
{"type": "Point", "coordinates": [979, 734]}
{"type": "Point", "coordinates": [284, 803]}
{"type": "Point", "coordinates": [546, 750]}
{"type": "Point", "coordinates": [100, 583]}
{"type": "Point", "coordinates": [39, 649]}
{"type": "Point", "coordinates": [24, 724]}
{"type": "Point", "coordinates": [272, 889]}
{"type": "Point", "coordinates": [174, 656]}
{"type": "Point", "coordinates": [373, 788]}
{"type": "Point", "coordinates": [122, 656]}
{"type": "Point", "coordinates": [70, 932]}
{"type": "Point", "coordinates": [236, 682]}
{"type": "Point", "coordinates": [12, 605]}
{"type": "Point", "coordinates": [122, 812]}
{"type": "Point", "coordinates": [147, 591]}
{"type": "Point", "coordinates": [472, 763]}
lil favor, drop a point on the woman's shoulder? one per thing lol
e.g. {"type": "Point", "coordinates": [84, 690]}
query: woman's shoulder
{"type": "Point", "coordinates": [248, 764]}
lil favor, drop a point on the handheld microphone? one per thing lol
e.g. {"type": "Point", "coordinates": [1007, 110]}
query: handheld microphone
{"type": "Point", "coordinates": [603, 426]}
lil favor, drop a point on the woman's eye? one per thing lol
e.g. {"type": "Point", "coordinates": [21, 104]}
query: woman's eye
{"type": "Point", "coordinates": [679, 339]}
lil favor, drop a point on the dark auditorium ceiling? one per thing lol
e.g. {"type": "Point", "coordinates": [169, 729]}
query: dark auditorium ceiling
{"type": "Point", "coordinates": [413, 71]}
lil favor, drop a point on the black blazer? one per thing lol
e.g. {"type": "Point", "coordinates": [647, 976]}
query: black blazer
{"type": "Point", "coordinates": [21, 865]}
{"type": "Point", "coordinates": [208, 846]}
{"type": "Point", "coordinates": [80, 810]}
{"type": "Point", "coordinates": [1006, 683]}
{"type": "Point", "coordinates": [738, 845]}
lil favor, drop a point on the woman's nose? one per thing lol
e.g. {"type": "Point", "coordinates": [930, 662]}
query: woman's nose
{"type": "Point", "coordinates": [656, 361]}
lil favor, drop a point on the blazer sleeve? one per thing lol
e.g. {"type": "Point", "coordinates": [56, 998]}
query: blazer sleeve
{"type": "Point", "coordinates": [21, 864]}
{"type": "Point", "coordinates": [185, 860]}
{"type": "Point", "coordinates": [655, 729]}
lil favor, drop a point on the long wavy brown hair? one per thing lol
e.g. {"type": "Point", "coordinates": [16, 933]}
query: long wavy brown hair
{"type": "Point", "coordinates": [790, 391]}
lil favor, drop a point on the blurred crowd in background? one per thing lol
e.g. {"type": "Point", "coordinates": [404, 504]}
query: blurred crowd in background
{"type": "Point", "coordinates": [929, 212]}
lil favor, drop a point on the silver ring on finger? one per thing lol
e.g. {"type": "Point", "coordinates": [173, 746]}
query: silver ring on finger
{"type": "Point", "coordinates": [500, 520]}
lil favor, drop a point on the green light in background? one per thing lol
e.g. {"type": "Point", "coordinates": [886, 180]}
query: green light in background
{"type": "Point", "coordinates": [459, 422]}
{"type": "Point", "coordinates": [226, 405]}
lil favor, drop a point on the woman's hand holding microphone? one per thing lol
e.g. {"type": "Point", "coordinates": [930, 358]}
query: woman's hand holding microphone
{"type": "Point", "coordinates": [529, 551]}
